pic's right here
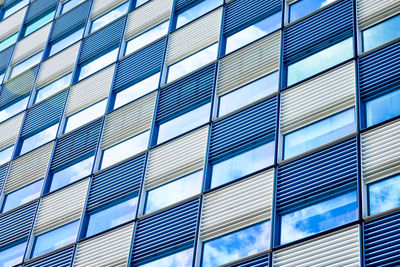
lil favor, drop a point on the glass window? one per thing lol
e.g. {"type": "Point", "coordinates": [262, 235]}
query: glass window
{"type": "Point", "coordinates": [319, 217]}
{"type": "Point", "coordinates": [55, 239]}
{"type": "Point", "coordinates": [5, 154]}
{"type": "Point", "coordinates": [174, 191]}
{"type": "Point", "coordinates": [237, 245]}
{"type": "Point", "coordinates": [2, 74]}
{"type": "Point", "coordinates": [25, 65]}
{"type": "Point", "coordinates": [193, 13]}
{"type": "Point", "coordinates": [13, 255]}
{"type": "Point", "coordinates": [125, 149]}
{"type": "Point", "coordinates": [13, 109]}
{"type": "Point", "coordinates": [141, 2]}
{"type": "Point", "coordinates": [381, 33]}
{"type": "Point", "coordinates": [383, 108]}
{"type": "Point", "coordinates": [184, 123]}
{"type": "Point", "coordinates": [137, 90]}
{"type": "Point", "coordinates": [39, 23]}
{"type": "Point", "coordinates": [253, 32]}
{"type": "Point", "coordinates": [98, 63]}
{"type": "Point", "coordinates": [72, 173]}
{"type": "Point", "coordinates": [39, 139]}
{"type": "Point", "coordinates": [112, 216]}
{"type": "Point", "coordinates": [65, 42]}
{"type": "Point", "coordinates": [192, 62]}
{"type": "Point", "coordinates": [248, 93]}
{"type": "Point", "coordinates": [22, 196]}
{"type": "Point", "coordinates": [53, 87]}
{"type": "Point", "coordinates": [180, 259]}
{"type": "Point", "coordinates": [14, 8]}
{"type": "Point", "coordinates": [109, 17]}
{"type": "Point", "coordinates": [147, 37]}
{"type": "Point", "coordinates": [304, 7]}
{"type": "Point", "coordinates": [243, 164]}
{"type": "Point", "coordinates": [82, 117]}
{"type": "Point", "coordinates": [70, 5]}
{"type": "Point", "coordinates": [384, 195]}
{"type": "Point", "coordinates": [319, 133]}
{"type": "Point", "coordinates": [320, 61]}
{"type": "Point", "coordinates": [9, 41]}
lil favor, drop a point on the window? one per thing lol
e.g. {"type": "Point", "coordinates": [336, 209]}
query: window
{"type": "Point", "coordinates": [13, 109]}
{"type": "Point", "coordinates": [98, 63]}
{"type": "Point", "coordinates": [25, 65]}
{"type": "Point", "coordinates": [109, 17]}
{"type": "Point", "coordinates": [14, 8]}
{"type": "Point", "coordinates": [71, 174]}
{"type": "Point", "coordinates": [125, 149]}
{"type": "Point", "coordinates": [383, 108]}
{"type": "Point", "coordinates": [13, 255]}
{"type": "Point", "coordinates": [381, 33]}
{"type": "Point", "coordinates": [9, 41]}
{"type": "Point", "coordinates": [55, 239]}
{"type": "Point", "coordinates": [192, 62]}
{"type": "Point", "coordinates": [248, 93]}
{"type": "Point", "coordinates": [198, 10]}
{"type": "Point", "coordinates": [6, 154]}
{"type": "Point", "coordinates": [180, 259]}
{"type": "Point", "coordinates": [319, 217]}
{"type": "Point", "coordinates": [320, 61]}
{"type": "Point", "coordinates": [2, 74]}
{"type": "Point", "coordinates": [237, 245]}
{"type": "Point", "coordinates": [319, 133]}
{"type": "Point", "coordinates": [141, 2]}
{"type": "Point", "coordinates": [184, 123]}
{"type": "Point", "coordinates": [39, 23]}
{"type": "Point", "coordinates": [146, 38]}
{"type": "Point", "coordinates": [39, 139]}
{"type": "Point", "coordinates": [70, 5]}
{"type": "Point", "coordinates": [22, 196]}
{"type": "Point", "coordinates": [304, 7]}
{"type": "Point", "coordinates": [137, 90]}
{"type": "Point", "coordinates": [174, 191]}
{"type": "Point", "coordinates": [384, 195]}
{"type": "Point", "coordinates": [243, 164]}
{"type": "Point", "coordinates": [53, 87]}
{"type": "Point", "coordinates": [253, 32]}
{"type": "Point", "coordinates": [65, 42]}
{"type": "Point", "coordinates": [85, 116]}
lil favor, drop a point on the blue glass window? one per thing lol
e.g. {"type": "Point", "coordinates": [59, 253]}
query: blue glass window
{"type": "Point", "coordinates": [383, 108]}
{"type": "Point", "coordinates": [39, 23]}
{"type": "Point", "coordinates": [196, 11]}
{"type": "Point", "coordinates": [381, 33]}
{"type": "Point", "coordinates": [2, 74]}
{"type": "Point", "coordinates": [180, 259]}
{"type": "Point", "coordinates": [237, 245]}
{"type": "Point", "coordinates": [13, 255]}
{"type": "Point", "coordinates": [66, 41]}
{"type": "Point", "coordinates": [25, 65]}
{"type": "Point", "coordinates": [22, 196]}
{"type": "Point", "coordinates": [9, 41]}
{"type": "Point", "coordinates": [384, 195]}
{"type": "Point", "coordinates": [5, 154]}
{"type": "Point", "coordinates": [13, 109]}
{"type": "Point", "coordinates": [70, 5]}
{"type": "Point", "coordinates": [141, 2]}
{"type": "Point", "coordinates": [304, 7]}
{"type": "Point", "coordinates": [319, 217]}
{"type": "Point", "coordinates": [109, 17]}
{"type": "Point", "coordinates": [82, 117]}
{"type": "Point", "coordinates": [53, 87]}
{"type": "Point", "coordinates": [98, 63]}
{"type": "Point", "coordinates": [14, 8]}
{"type": "Point", "coordinates": [39, 139]}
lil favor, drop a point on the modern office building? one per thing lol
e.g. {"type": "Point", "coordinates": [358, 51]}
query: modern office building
{"type": "Point", "coordinates": [200, 133]}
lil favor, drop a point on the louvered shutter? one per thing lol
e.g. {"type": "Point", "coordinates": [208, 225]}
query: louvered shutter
{"type": "Point", "coordinates": [370, 11]}
{"type": "Point", "coordinates": [62, 258]}
{"type": "Point", "coordinates": [100, 7]}
{"type": "Point", "coordinates": [9, 130]}
{"type": "Point", "coordinates": [12, 24]}
{"type": "Point", "coordinates": [38, 8]}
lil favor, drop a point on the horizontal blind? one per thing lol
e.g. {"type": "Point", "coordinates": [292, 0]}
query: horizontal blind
{"type": "Point", "coordinates": [182, 4]}
{"type": "Point", "coordinates": [100, 7]}
{"type": "Point", "coordinates": [370, 11]}
{"type": "Point", "coordinates": [258, 261]}
{"type": "Point", "coordinates": [9, 130]}
{"type": "Point", "coordinates": [3, 173]}
{"type": "Point", "coordinates": [12, 24]}
{"type": "Point", "coordinates": [61, 258]}
{"type": "Point", "coordinates": [5, 57]}
{"type": "Point", "coordinates": [38, 8]}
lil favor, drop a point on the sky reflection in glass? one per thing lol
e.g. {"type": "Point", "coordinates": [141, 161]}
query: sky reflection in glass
{"type": "Point", "coordinates": [383, 108]}
{"type": "Point", "coordinates": [98, 63]}
{"type": "Point", "coordinates": [304, 7]}
{"type": "Point", "coordinates": [381, 33]}
{"type": "Point", "coordinates": [39, 139]}
{"type": "Point", "coordinates": [13, 255]}
{"type": "Point", "coordinates": [26, 64]}
{"type": "Point", "coordinates": [109, 17]}
{"type": "Point", "coordinates": [180, 259]}
{"type": "Point", "coordinates": [65, 42]}
{"type": "Point", "coordinates": [200, 9]}
{"type": "Point", "coordinates": [70, 5]}
{"type": "Point", "coordinates": [384, 195]}
{"type": "Point", "coordinates": [13, 109]}
{"type": "Point", "coordinates": [9, 41]}
{"type": "Point", "coordinates": [23, 195]}
{"type": "Point", "coordinates": [39, 23]}
{"type": "Point", "coordinates": [14, 8]}
{"type": "Point", "coordinates": [53, 87]}
{"type": "Point", "coordinates": [5, 154]}
{"type": "Point", "coordinates": [86, 115]}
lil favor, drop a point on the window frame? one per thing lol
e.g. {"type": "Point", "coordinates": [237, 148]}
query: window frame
{"type": "Point", "coordinates": [26, 26]}
{"type": "Point", "coordinates": [90, 24]}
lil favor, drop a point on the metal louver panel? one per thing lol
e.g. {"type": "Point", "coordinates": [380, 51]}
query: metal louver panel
{"type": "Point", "coordinates": [61, 258]}
{"type": "Point", "coordinates": [340, 248]}
{"type": "Point", "coordinates": [181, 4]}
{"type": "Point", "coordinates": [9, 130]}
{"type": "Point", "coordinates": [12, 24]}
{"type": "Point", "coordinates": [5, 57]}
{"type": "Point", "coordinates": [61, 207]}
{"type": "Point", "coordinates": [194, 36]}
{"type": "Point", "coordinates": [370, 11]}
{"type": "Point", "coordinates": [90, 91]}
{"type": "Point", "coordinates": [100, 7]}
{"type": "Point", "coordinates": [318, 98]}
{"type": "Point", "coordinates": [38, 8]}
{"type": "Point", "coordinates": [108, 249]}
{"type": "Point", "coordinates": [3, 173]}
{"type": "Point", "coordinates": [176, 158]}
{"type": "Point", "coordinates": [166, 230]}
{"type": "Point", "coordinates": [259, 261]}
{"type": "Point", "coordinates": [238, 205]}
{"type": "Point", "coordinates": [249, 63]}
{"type": "Point", "coordinates": [116, 182]}
{"type": "Point", "coordinates": [381, 152]}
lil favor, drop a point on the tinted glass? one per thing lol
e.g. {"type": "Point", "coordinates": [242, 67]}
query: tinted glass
{"type": "Point", "coordinates": [196, 11]}
{"type": "Point", "coordinates": [53, 87]}
{"type": "Point", "coordinates": [384, 195]}
{"type": "Point", "coordinates": [70, 5]}
{"type": "Point", "coordinates": [65, 42]}
{"type": "Point", "coordinates": [85, 116]}
{"type": "Point", "coordinates": [39, 139]}
{"type": "Point", "coordinates": [98, 63]}
{"type": "Point", "coordinates": [14, 8]}
{"type": "Point", "coordinates": [180, 259]}
{"type": "Point", "coordinates": [304, 7]}
{"type": "Point", "coordinates": [26, 64]}
{"type": "Point", "coordinates": [13, 109]}
{"type": "Point", "coordinates": [23, 195]}
{"type": "Point", "coordinates": [381, 33]}
{"type": "Point", "coordinates": [9, 41]}
{"type": "Point", "coordinates": [109, 17]}
{"type": "Point", "coordinates": [39, 23]}
{"type": "Point", "coordinates": [5, 154]}
{"type": "Point", "coordinates": [13, 255]}
{"type": "Point", "coordinates": [383, 108]}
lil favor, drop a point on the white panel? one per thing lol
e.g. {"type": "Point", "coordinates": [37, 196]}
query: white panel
{"type": "Point", "coordinates": [370, 11]}
{"type": "Point", "coordinates": [61, 207]}
{"type": "Point", "coordinates": [102, 6]}
{"type": "Point", "coordinates": [9, 130]}
{"type": "Point", "coordinates": [341, 248]}
{"type": "Point", "coordinates": [176, 158]}
{"type": "Point", "coordinates": [381, 152]}
{"type": "Point", "coordinates": [238, 205]}
{"type": "Point", "coordinates": [249, 63]}
{"type": "Point", "coordinates": [12, 24]}
{"type": "Point", "coordinates": [109, 249]}
{"type": "Point", "coordinates": [194, 36]}
{"type": "Point", "coordinates": [318, 98]}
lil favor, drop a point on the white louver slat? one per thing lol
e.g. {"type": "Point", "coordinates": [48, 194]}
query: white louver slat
{"type": "Point", "coordinates": [9, 130]}
{"type": "Point", "coordinates": [12, 24]}
{"type": "Point", "coordinates": [102, 6]}
{"type": "Point", "coordinates": [371, 11]}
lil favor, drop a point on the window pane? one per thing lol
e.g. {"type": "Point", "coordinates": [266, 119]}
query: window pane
{"type": "Point", "coordinates": [381, 33]}
{"type": "Point", "coordinates": [2, 74]}
{"type": "Point", "coordinates": [174, 192]}
{"type": "Point", "coordinates": [39, 139]}
{"type": "Point", "coordinates": [384, 195]}
{"type": "Point", "coordinates": [319, 133]}
{"type": "Point", "coordinates": [319, 217]}
{"type": "Point", "coordinates": [9, 41]}
{"type": "Point", "coordinates": [180, 259]}
{"type": "Point", "coordinates": [53, 87]}
{"type": "Point", "coordinates": [70, 5]}
{"type": "Point", "coordinates": [237, 245]}
{"type": "Point", "coordinates": [39, 23]}
{"type": "Point", "coordinates": [112, 216]}
{"type": "Point", "coordinates": [304, 7]}
{"type": "Point", "coordinates": [109, 17]}
{"type": "Point", "coordinates": [23, 195]}
{"type": "Point", "coordinates": [13, 109]}
{"type": "Point", "coordinates": [320, 61]}
{"type": "Point", "coordinates": [383, 108]}
{"type": "Point", "coordinates": [86, 115]}
{"type": "Point", "coordinates": [243, 164]}
{"type": "Point", "coordinates": [5, 154]}
{"type": "Point", "coordinates": [65, 42]}
{"type": "Point", "coordinates": [26, 64]}
{"type": "Point", "coordinates": [12, 9]}
{"type": "Point", "coordinates": [184, 123]}
{"type": "Point", "coordinates": [13, 255]}
{"type": "Point", "coordinates": [141, 2]}
{"type": "Point", "coordinates": [200, 9]}
{"type": "Point", "coordinates": [98, 63]}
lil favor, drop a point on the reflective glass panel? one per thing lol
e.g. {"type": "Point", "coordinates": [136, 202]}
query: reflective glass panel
{"type": "Point", "coordinates": [5, 154]}
{"type": "Point", "coordinates": [26, 64]}
{"type": "Point", "coordinates": [85, 116]}
{"type": "Point", "coordinates": [381, 33]}
{"type": "Point", "coordinates": [141, 2]}
{"type": "Point", "coordinates": [9, 41]}
{"type": "Point", "coordinates": [193, 13]}
{"type": "Point", "coordinates": [109, 17]}
{"type": "Point", "coordinates": [53, 87]}
{"type": "Point", "coordinates": [65, 42]}
{"type": "Point", "coordinates": [13, 109]}
{"type": "Point", "coordinates": [39, 139]}
{"type": "Point", "coordinates": [39, 23]}
{"type": "Point", "coordinates": [14, 8]}
{"type": "Point", "coordinates": [23, 195]}
{"type": "Point", "coordinates": [383, 108]}
{"type": "Point", "coordinates": [384, 195]}
{"type": "Point", "coordinates": [2, 74]}
{"type": "Point", "coordinates": [12, 256]}
{"type": "Point", "coordinates": [180, 259]}
{"type": "Point", "coordinates": [98, 63]}
{"type": "Point", "coordinates": [70, 5]}
{"type": "Point", "coordinates": [304, 7]}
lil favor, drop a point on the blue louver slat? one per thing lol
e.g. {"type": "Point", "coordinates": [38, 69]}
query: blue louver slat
{"type": "Point", "coordinates": [380, 72]}
{"type": "Point", "coordinates": [161, 232]}
{"type": "Point", "coordinates": [116, 182]}
{"type": "Point", "coordinates": [248, 126]}
{"type": "Point", "coordinates": [5, 57]}
{"type": "Point", "coordinates": [17, 224]}
{"type": "Point", "coordinates": [240, 13]}
{"type": "Point", "coordinates": [39, 8]}
{"type": "Point", "coordinates": [326, 27]}
{"type": "Point", "coordinates": [77, 144]}
{"type": "Point", "coordinates": [102, 40]}
{"type": "Point", "coordinates": [44, 114]}
{"type": "Point", "coordinates": [182, 4]}
{"type": "Point", "coordinates": [136, 66]}
{"type": "Point", "coordinates": [10, 2]}
{"type": "Point", "coordinates": [187, 92]}
{"type": "Point", "coordinates": [322, 172]}
{"type": "Point", "coordinates": [259, 261]}
{"type": "Point", "coordinates": [61, 258]}
{"type": "Point", "coordinates": [382, 241]}
{"type": "Point", "coordinates": [3, 172]}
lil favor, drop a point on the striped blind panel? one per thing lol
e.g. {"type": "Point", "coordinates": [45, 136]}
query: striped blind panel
{"type": "Point", "coordinates": [176, 158]}
{"type": "Point", "coordinates": [61, 207]}
{"type": "Point", "coordinates": [9, 130]}
{"type": "Point", "coordinates": [249, 63]}
{"type": "Point", "coordinates": [5, 57]}
{"type": "Point", "coordinates": [371, 11]}
{"type": "Point", "coordinates": [3, 173]}
{"type": "Point", "coordinates": [39, 8]}
{"type": "Point", "coordinates": [238, 205]}
{"type": "Point", "coordinates": [129, 120]}
{"type": "Point", "coordinates": [90, 90]}
{"type": "Point", "coordinates": [61, 258]}
{"type": "Point", "coordinates": [318, 98]}
{"type": "Point", "coordinates": [337, 249]}
{"type": "Point", "coordinates": [194, 36]}
{"type": "Point", "coordinates": [99, 7]}
{"type": "Point", "coordinates": [12, 24]}
{"type": "Point", "coordinates": [109, 249]}
{"type": "Point", "coordinates": [381, 152]}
